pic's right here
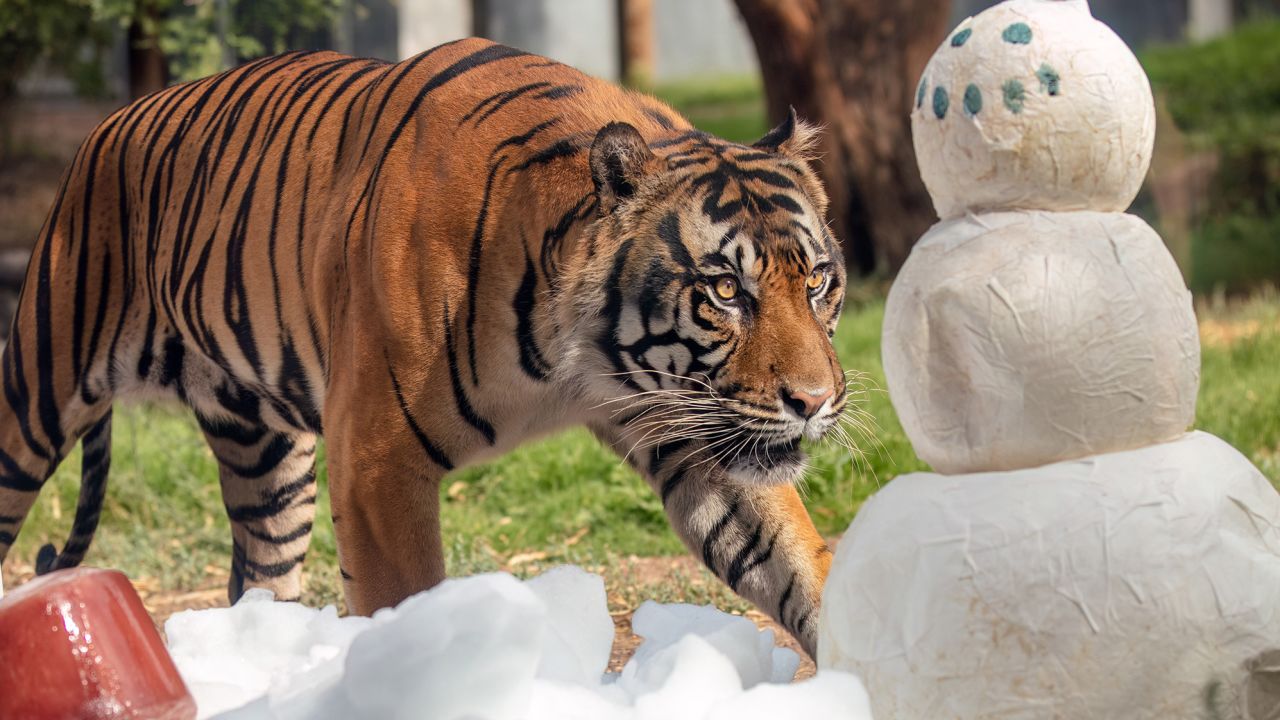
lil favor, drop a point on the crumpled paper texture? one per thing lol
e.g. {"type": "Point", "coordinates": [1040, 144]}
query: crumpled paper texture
{"type": "Point", "coordinates": [1018, 339]}
{"type": "Point", "coordinates": [1140, 584]}
{"type": "Point", "coordinates": [1064, 115]}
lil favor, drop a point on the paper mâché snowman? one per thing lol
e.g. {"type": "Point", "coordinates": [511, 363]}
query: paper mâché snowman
{"type": "Point", "coordinates": [1083, 555]}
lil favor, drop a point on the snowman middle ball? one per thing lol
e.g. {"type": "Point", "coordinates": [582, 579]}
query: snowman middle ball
{"type": "Point", "coordinates": [1033, 104]}
{"type": "Point", "coordinates": [1018, 339]}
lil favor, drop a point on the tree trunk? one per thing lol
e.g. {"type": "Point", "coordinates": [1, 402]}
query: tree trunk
{"type": "Point", "coordinates": [148, 70]}
{"type": "Point", "coordinates": [635, 42]}
{"type": "Point", "coordinates": [852, 66]}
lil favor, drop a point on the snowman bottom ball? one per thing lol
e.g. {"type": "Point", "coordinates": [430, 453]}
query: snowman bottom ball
{"type": "Point", "coordinates": [1018, 339]}
{"type": "Point", "coordinates": [1138, 584]}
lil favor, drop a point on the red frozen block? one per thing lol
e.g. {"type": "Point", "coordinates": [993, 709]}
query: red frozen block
{"type": "Point", "coordinates": [79, 644]}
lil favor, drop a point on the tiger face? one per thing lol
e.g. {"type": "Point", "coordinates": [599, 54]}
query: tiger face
{"type": "Point", "coordinates": [711, 312]}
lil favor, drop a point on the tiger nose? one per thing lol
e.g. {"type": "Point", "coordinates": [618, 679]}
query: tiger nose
{"type": "Point", "coordinates": [805, 404]}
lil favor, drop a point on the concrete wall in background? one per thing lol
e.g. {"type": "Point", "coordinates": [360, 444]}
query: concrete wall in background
{"type": "Point", "coordinates": [581, 33]}
{"type": "Point", "coordinates": [700, 37]}
{"type": "Point", "coordinates": [424, 24]}
{"type": "Point", "coordinates": [691, 37]}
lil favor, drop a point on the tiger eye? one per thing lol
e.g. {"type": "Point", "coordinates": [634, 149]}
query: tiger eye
{"type": "Point", "coordinates": [816, 278]}
{"type": "Point", "coordinates": [727, 288]}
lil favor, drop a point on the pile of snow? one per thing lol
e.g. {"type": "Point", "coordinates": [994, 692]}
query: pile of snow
{"type": "Point", "coordinates": [494, 648]}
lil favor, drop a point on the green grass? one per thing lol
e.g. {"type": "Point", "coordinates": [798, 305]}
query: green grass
{"type": "Point", "coordinates": [567, 496]}
{"type": "Point", "coordinates": [1239, 397]}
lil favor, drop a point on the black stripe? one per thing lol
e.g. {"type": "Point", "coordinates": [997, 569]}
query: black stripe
{"type": "Point", "coordinates": [15, 478]}
{"type": "Point", "coordinates": [276, 502]}
{"type": "Point", "coordinates": [683, 137]}
{"type": "Point", "coordinates": [230, 430]}
{"type": "Point", "coordinates": [99, 320]}
{"type": "Point", "coordinates": [672, 483]}
{"type": "Point", "coordinates": [607, 343]}
{"type": "Point", "coordinates": [435, 453]}
{"type": "Point", "coordinates": [749, 559]}
{"type": "Point", "coordinates": [257, 571]}
{"type": "Point", "coordinates": [45, 320]}
{"type": "Point", "coordinates": [473, 269]}
{"type": "Point", "coordinates": [460, 399]}
{"type": "Point", "coordinates": [277, 449]}
{"type": "Point", "coordinates": [523, 138]}
{"type": "Point", "coordinates": [299, 532]}
{"type": "Point", "coordinates": [498, 100]}
{"type": "Point", "coordinates": [171, 369]}
{"type": "Point", "coordinates": [661, 118]}
{"type": "Point", "coordinates": [559, 92]}
{"type": "Point", "coordinates": [531, 360]}
{"type": "Point", "coordinates": [17, 395]}
{"type": "Point", "coordinates": [708, 544]}
{"type": "Point", "coordinates": [562, 148]}
{"type": "Point", "coordinates": [669, 233]}
{"type": "Point", "coordinates": [786, 598]}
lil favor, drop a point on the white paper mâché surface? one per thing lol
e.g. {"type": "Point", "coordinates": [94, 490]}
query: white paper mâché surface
{"type": "Point", "coordinates": [1022, 338]}
{"type": "Point", "coordinates": [1141, 584]}
{"type": "Point", "coordinates": [1033, 104]}
{"type": "Point", "coordinates": [1084, 557]}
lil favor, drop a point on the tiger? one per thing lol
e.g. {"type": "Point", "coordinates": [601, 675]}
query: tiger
{"type": "Point", "coordinates": [428, 263]}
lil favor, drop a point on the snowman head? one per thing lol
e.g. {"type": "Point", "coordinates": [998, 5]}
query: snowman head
{"type": "Point", "coordinates": [1033, 104]}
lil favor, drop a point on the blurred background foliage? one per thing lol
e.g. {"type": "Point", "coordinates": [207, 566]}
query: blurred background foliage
{"type": "Point", "coordinates": [195, 38]}
{"type": "Point", "coordinates": [1213, 193]}
{"type": "Point", "coordinates": [65, 33]}
{"type": "Point", "coordinates": [1225, 96]}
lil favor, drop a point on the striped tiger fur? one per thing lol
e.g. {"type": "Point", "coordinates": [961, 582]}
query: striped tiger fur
{"type": "Point", "coordinates": [429, 263]}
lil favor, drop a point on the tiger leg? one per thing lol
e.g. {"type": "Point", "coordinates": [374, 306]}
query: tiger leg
{"type": "Point", "coordinates": [386, 511]}
{"type": "Point", "coordinates": [269, 489]}
{"type": "Point", "coordinates": [758, 539]}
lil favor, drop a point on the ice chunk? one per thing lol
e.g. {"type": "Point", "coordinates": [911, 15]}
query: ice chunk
{"type": "Point", "coordinates": [490, 647]}
{"type": "Point", "coordinates": [554, 700]}
{"type": "Point", "coordinates": [751, 651]}
{"type": "Point", "coordinates": [829, 695]}
{"type": "Point", "coordinates": [469, 648]}
{"type": "Point", "coordinates": [685, 679]}
{"type": "Point", "coordinates": [228, 656]}
{"type": "Point", "coordinates": [579, 630]}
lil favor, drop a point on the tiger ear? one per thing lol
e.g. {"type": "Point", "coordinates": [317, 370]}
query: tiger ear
{"type": "Point", "coordinates": [620, 159]}
{"type": "Point", "coordinates": [792, 136]}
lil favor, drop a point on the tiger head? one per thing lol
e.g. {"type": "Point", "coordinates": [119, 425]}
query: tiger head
{"type": "Point", "coordinates": [712, 290]}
